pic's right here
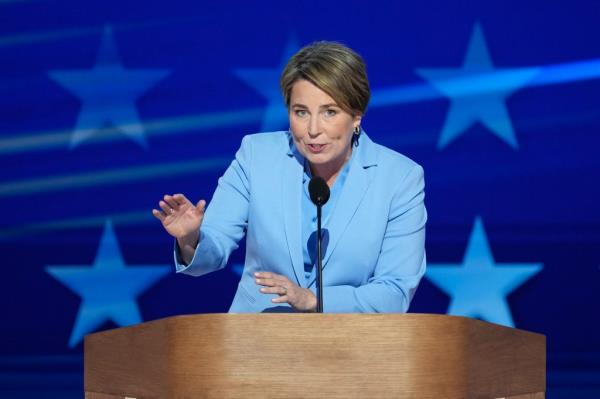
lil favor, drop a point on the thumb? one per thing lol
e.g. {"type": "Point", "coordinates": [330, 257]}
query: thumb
{"type": "Point", "coordinates": [201, 205]}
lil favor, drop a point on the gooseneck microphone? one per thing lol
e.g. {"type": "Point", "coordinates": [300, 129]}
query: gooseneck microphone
{"type": "Point", "coordinates": [319, 195]}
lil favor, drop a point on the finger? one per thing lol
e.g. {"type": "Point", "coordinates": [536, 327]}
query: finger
{"type": "Point", "coordinates": [201, 205]}
{"type": "Point", "coordinates": [265, 275]}
{"type": "Point", "coordinates": [165, 207]}
{"type": "Point", "coordinates": [180, 198]}
{"type": "Point", "coordinates": [279, 280]}
{"type": "Point", "coordinates": [282, 280]}
{"type": "Point", "coordinates": [274, 290]}
{"type": "Point", "coordinates": [272, 279]}
{"type": "Point", "coordinates": [158, 214]}
{"type": "Point", "coordinates": [267, 282]}
{"type": "Point", "coordinates": [281, 299]}
{"type": "Point", "coordinates": [171, 201]}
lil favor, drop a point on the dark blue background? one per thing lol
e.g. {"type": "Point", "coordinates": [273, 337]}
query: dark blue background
{"type": "Point", "coordinates": [538, 203]}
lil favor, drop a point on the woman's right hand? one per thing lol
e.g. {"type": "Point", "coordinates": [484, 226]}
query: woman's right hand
{"type": "Point", "coordinates": [181, 218]}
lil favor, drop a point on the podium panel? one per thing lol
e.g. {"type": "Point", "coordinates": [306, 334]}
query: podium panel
{"type": "Point", "coordinates": [315, 355]}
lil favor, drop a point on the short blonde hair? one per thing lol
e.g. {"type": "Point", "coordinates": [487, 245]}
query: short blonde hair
{"type": "Point", "coordinates": [334, 68]}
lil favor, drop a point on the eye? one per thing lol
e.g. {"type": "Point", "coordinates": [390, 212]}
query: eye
{"type": "Point", "coordinates": [330, 112]}
{"type": "Point", "coordinates": [301, 113]}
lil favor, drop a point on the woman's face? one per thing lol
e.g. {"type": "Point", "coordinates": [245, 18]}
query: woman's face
{"type": "Point", "coordinates": [322, 130]}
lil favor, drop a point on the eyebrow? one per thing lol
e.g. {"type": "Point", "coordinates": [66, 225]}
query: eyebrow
{"type": "Point", "coordinates": [321, 106]}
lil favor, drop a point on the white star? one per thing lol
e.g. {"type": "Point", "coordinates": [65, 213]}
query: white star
{"type": "Point", "coordinates": [478, 287]}
{"type": "Point", "coordinates": [478, 92]}
{"type": "Point", "coordinates": [108, 93]}
{"type": "Point", "coordinates": [108, 288]}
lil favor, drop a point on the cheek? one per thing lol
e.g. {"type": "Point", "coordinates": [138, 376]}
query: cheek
{"type": "Point", "coordinates": [343, 132]}
{"type": "Point", "coordinates": [296, 126]}
{"type": "Point", "coordinates": [296, 131]}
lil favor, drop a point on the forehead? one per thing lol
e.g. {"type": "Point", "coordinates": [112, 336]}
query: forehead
{"type": "Point", "coordinates": [306, 93]}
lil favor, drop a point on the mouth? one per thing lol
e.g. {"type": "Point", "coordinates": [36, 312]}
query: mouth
{"type": "Point", "coordinates": [316, 148]}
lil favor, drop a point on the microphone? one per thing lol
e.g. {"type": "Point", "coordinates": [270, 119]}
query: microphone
{"type": "Point", "coordinates": [318, 190]}
{"type": "Point", "coordinates": [319, 195]}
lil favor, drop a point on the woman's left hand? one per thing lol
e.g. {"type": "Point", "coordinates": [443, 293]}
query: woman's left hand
{"type": "Point", "coordinates": [301, 299]}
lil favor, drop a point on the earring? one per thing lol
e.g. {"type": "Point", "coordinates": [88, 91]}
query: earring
{"type": "Point", "coordinates": [356, 135]}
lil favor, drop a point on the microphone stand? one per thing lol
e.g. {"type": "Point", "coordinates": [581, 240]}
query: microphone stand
{"type": "Point", "coordinates": [319, 264]}
{"type": "Point", "coordinates": [319, 195]}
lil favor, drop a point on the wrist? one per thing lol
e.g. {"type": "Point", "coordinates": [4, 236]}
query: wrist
{"type": "Point", "coordinates": [312, 302]}
{"type": "Point", "coordinates": [189, 241]}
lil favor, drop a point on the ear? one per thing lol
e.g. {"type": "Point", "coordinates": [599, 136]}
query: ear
{"type": "Point", "coordinates": [356, 120]}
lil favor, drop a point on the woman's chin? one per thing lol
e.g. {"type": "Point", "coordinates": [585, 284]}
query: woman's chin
{"type": "Point", "coordinates": [318, 159]}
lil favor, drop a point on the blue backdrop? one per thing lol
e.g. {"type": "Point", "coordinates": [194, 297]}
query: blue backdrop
{"type": "Point", "coordinates": [107, 105]}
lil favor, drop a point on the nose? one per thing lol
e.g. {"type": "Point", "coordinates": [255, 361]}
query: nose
{"type": "Point", "coordinates": [314, 127]}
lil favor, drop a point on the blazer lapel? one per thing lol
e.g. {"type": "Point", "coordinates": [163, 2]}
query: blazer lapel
{"type": "Point", "coordinates": [292, 195]}
{"type": "Point", "coordinates": [356, 185]}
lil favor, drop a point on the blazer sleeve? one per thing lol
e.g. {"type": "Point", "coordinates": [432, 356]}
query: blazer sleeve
{"type": "Point", "coordinates": [401, 262]}
{"type": "Point", "coordinates": [226, 217]}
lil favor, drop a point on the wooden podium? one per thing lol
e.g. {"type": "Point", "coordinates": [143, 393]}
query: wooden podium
{"type": "Point", "coordinates": [370, 356]}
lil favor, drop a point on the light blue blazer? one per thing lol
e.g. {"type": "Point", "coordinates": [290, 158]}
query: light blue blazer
{"type": "Point", "coordinates": [375, 257]}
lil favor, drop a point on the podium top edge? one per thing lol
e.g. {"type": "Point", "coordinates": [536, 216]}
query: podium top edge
{"type": "Point", "coordinates": [412, 317]}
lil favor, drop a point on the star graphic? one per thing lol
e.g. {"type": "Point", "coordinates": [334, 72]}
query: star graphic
{"type": "Point", "coordinates": [266, 82]}
{"type": "Point", "coordinates": [108, 93]}
{"type": "Point", "coordinates": [108, 289]}
{"type": "Point", "coordinates": [478, 92]}
{"type": "Point", "coordinates": [478, 287]}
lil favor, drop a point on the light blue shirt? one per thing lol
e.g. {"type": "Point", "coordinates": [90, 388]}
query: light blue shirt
{"type": "Point", "coordinates": [309, 217]}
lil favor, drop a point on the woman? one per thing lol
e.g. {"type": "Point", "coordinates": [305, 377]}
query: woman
{"type": "Point", "coordinates": [373, 223]}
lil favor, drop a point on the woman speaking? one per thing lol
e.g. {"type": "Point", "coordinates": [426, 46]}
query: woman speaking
{"type": "Point", "coordinates": [373, 224]}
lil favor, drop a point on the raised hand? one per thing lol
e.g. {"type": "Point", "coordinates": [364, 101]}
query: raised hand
{"type": "Point", "coordinates": [181, 218]}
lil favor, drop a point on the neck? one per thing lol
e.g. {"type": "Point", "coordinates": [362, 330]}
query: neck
{"type": "Point", "coordinates": [330, 171]}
